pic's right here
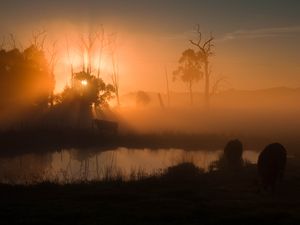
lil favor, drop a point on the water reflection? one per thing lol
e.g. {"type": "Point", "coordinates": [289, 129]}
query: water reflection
{"type": "Point", "coordinates": [74, 165]}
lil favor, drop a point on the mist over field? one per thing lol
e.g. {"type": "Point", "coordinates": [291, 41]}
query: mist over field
{"type": "Point", "coordinates": [267, 113]}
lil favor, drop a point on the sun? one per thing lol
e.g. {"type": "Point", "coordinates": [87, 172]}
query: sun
{"type": "Point", "coordinates": [84, 82]}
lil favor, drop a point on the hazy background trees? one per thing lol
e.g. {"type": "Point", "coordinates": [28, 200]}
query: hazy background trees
{"type": "Point", "coordinates": [194, 64]}
{"type": "Point", "coordinates": [189, 69]}
{"type": "Point", "coordinates": [27, 81]}
{"type": "Point", "coordinates": [26, 78]}
{"type": "Point", "coordinates": [80, 102]}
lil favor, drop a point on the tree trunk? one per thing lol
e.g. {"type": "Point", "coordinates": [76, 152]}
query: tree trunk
{"type": "Point", "coordinates": [206, 89]}
{"type": "Point", "coordinates": [191, 92]}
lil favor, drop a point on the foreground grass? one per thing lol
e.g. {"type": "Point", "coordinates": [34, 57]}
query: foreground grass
{"type": "Point", "coordinates": [181, 196]}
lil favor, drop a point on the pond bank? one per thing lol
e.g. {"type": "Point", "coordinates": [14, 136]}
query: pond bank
{"type": "Point", "coordinates": [203, 198]}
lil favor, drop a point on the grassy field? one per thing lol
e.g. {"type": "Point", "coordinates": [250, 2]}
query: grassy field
{"type": "Point", "coordinates": [181, 195]}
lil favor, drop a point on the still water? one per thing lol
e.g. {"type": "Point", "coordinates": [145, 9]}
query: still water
{"type": "Point", "coordinates": [74, 165]}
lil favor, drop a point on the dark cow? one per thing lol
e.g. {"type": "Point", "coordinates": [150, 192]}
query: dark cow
{"type": "Point", "coordinates": [233, 152]}
{"type": "Point", "coordinates": [271, 165]}
{"type": "Point", "coordinates": [106, 127]}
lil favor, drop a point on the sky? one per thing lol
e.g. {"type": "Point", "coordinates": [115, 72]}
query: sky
{"type": "Point", "coordinates": [256, 42]}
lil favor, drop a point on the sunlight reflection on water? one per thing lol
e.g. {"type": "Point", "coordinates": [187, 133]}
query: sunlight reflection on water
{"type": "Point", "coordinates": [74, 165]}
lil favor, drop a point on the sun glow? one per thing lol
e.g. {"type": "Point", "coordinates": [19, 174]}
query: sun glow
{"type": "Point", "coordinates": [84, 83]}
{"type": "Point", "coordinates": [86, 59]}
{"type": "Point", "coordinates": [72, 61]}
{"type": "Point", "coordinates": [78, 62]}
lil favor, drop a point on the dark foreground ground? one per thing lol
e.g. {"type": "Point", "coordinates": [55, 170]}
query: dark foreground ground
{"type": "Point", "coordinates": [180, 196]}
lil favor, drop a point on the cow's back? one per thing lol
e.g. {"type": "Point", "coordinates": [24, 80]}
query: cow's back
{"type": "Point", "coordinates": [271, 164]}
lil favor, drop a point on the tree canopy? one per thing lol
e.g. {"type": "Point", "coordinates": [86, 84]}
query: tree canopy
{"type": "Point", "coordinates": [25, 78]}
{"type": "Point", "coordinates": [189, 69]}
{"type": "Point", "coordinates": [88, 89]}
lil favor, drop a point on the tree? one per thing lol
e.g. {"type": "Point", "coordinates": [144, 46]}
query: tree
{"type": "Point", "coordinates": [89, 90]}
{"type": "Point", "coordinates": [39, 41]}
{"type": "Point", "coordinates": [25, 78]}
{"type": "Point", "coordinates": [204, 48]}
{"type": "Point", "coordinates": [88, 93]}
{"type": "Point", "coordinates": [78, 104]}
{"type": "Point", "coordinates": [189, 69]}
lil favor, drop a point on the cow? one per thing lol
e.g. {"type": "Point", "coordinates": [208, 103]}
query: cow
{"type": "Point", "coordinates": [233, 152]}
{"type": "Point", "coordinates": [271, 165]}
{"type": "Point", "coordinates": [105, 126]}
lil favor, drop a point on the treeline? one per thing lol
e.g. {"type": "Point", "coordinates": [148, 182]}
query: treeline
{"type": "Point", "coordinates": [27, 83]}
{"type": "Point", "coordinates": [25, 78]}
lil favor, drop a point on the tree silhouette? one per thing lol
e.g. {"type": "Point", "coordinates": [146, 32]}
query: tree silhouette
{"type": "Point", "coordinates": [91, 46]}
{"type": "Point", "coordinates": [78, 103]}
{"type": "Point", "coordinates": [25, 78]}
{"type": "Point", "coordinates": [204, 48]}
{"type": "Point", "coordinates": [88, 93]}
{"type": "Point", "coordinates": [189, 69]}
{"type": "Point", "coordinates": [88, 89]}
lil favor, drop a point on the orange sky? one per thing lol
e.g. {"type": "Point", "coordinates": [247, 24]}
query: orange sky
{"type": "Point", "coordinates": [256, 43]}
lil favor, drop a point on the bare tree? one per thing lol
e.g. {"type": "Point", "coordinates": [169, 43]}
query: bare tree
{"type": "Point", "coordinates": [87, 48]}
{"type": "Point", "coordinates": [205, 52]}
{"type": "Point", "coordinates": [101, 38]}
{"type": "Point", "coordinates": [167, 86]}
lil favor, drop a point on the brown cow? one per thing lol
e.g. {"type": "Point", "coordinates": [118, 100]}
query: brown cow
{"type": "Point", "coordinates": [271, 165]}
{"type": "Point", "coordinates": [233, 152]}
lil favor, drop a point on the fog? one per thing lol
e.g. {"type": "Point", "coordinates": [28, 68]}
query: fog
{"type": "Point", "coordinates": [269, 114]}
{"type": "Point", "coordinates": [44, 90]}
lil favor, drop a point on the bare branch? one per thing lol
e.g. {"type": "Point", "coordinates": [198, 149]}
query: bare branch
{"type": "Point", "coordinates": [87, 45]}
{"type": "Point", "coordinates": [205, 47]}
{"type": "Point", "coordinates": [205, 51]}
{"type": "Point", "coordinates": [208, 43]}
{"type": "Point", "coordinates": [100, 37]}
{"type": "Point", "coordinates": [199, 33]}
{"type": "Point", "coordinates": [196, 44]}
{"type": "Point", "coordinates": [70, 60]}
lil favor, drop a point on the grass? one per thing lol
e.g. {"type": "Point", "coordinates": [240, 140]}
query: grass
{"type": "Point", "coordinates": [182, 194]}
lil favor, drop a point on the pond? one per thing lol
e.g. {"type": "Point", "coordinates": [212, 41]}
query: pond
{"type": "Point", "coordinates": [75, 165]}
